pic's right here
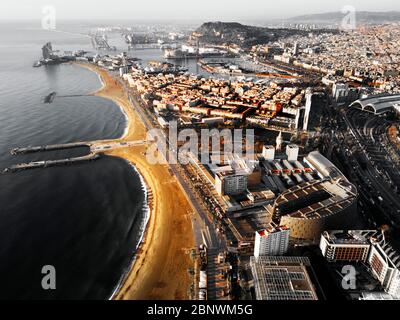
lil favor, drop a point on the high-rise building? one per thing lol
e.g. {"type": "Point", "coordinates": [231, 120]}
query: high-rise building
{"type": "Point", "coordinates": [279, 142]}
{"type": "Point", "coordinates": [47, 51]}
{"type": "Point", "coordinates": [296, 48]}
{"type": "Point", "coordinates": [309, 96]}
{"type": "Point", "coordinates": [340, 91]}
{"type": "Point", "coordinates": [274, 241]}
{"type": "Point", "coordinates": [346, 245]}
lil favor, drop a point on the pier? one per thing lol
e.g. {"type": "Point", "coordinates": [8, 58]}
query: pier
{"type": "Point", "coordinates": [95, 149]}
{"type": "Point", "coordinates": [45, 148]}
{"type": "Point", "coordinates": [51, 163]}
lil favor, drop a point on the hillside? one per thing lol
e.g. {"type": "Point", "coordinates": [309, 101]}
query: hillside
{"type": "Point", "coordinates": [219, 33]}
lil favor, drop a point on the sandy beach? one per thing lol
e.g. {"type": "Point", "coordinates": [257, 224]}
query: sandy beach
{"type": "Point", "coordinates": [161, 267]}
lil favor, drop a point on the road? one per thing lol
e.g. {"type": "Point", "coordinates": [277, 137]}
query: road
{"type": "Point", "coordinates": [203, 227]}
{"type": "Point", "coordinates": [379, 173]}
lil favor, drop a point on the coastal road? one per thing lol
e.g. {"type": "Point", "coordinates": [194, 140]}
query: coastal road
{"type": "Point", "coordinates": [203, 228]}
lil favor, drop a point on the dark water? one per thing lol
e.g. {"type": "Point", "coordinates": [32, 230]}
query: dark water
{"type": "Point", "coordinates": [85, 220]}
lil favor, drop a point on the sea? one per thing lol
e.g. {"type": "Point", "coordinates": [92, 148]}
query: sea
{"type": "Point", "coordinates": [85, 220]}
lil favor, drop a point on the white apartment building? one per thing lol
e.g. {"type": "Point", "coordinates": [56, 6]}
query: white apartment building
{"type": "Point", "coordinates": [273, 241]}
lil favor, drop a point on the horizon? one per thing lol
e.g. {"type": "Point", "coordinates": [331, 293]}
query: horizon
{"type": "Point", "coordinates": [174, 10]}
{"type": "Point", "coordinates": [204, 20]}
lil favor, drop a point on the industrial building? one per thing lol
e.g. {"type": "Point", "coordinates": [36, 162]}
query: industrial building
{"type": "Point", "coordinates": [342, 245]}
{"type": "Point", "coordinates": [283, 171]}
{"type": "Point", "coordinates": [378, 104]}
{"type": "Point", "coordinates": [282, 278]}
{"type": "Point", "coordinates": [273, 241]}
{"type": "Point", "coordinates": [323, 166]}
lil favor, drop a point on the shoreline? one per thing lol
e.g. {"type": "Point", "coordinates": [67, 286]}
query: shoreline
{"type": "Point", "coordinates": [162, 251]}
{"type": "Point", "coordinates": [144, 228]}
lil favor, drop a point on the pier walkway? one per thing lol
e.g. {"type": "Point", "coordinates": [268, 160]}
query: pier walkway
{"type": "Point", "coordinates": [45, 148]}
{"type": "Point", "coordinates": [96, 149]}
{"type": "Point", "coordinates": [51, 163]}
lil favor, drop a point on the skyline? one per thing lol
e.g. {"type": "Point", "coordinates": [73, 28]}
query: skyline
{"type": "Point", "coordinates": [174, 10]}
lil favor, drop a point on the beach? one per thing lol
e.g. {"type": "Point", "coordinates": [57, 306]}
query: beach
{"type": "Point", "coordinates": [160, 270]}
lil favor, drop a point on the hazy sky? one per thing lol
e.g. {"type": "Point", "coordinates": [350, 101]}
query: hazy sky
{"type": "Point", "coordinates": [181, 9]}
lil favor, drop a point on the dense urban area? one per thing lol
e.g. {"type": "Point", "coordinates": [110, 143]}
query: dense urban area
{"type": "Point", "coordinates": [319, 196]}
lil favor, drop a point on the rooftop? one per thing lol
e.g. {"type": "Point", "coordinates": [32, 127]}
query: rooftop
{"type": "Point", "coordinates": [272, 229]}
{"type": "Point", "coordinates": [313, 200]}
{"type": "Point", "coordinates": [282, 278]}
{"type": "Point", "coordinates": [377, 104]}
{"type": "Point", "coordinates": [349, 237]}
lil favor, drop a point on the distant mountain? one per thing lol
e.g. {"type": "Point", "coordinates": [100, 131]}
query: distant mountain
{"type": "Point", "coordinates": [364, 17]}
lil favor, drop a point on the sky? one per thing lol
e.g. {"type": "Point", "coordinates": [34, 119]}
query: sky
{"type": "Point", "coordinates": [224, 10]}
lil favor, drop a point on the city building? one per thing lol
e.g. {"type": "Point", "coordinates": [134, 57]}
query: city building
{"type": "Point", "coordinates": [296, 49]}
{"type": "Point", "coordinates": [308, 106]}
{"type": "Point", "coordinates": [230, 183]}
{"type": "Point", "coordinates": [282, 278]}
{"type": "Point", "coordinates": [384, 262]}
{"type": "Point", "coordinates": [378, 104]}
{"type": "Point", "coordinates": [342, 245]}
{"type": "Point", "coordinates": [292, 152]}
{"type": "Point", "coordinates": [323, 166]}
{"type": "Point", "coordinates": [312, 194]}
{"type": "Point", "coordinates": [340, 91]}
{"type": "Point", "coordinates": [279, 142]}
{"type": "Point", "coordinates": [310, 208]}
{"type": "Point", "coordinates": [47, 51]}
{"type": "Point", "coordinates": [269, 153]}
{"type": "Point", "coordinates": [273, 241]}
{"type": "Point", "coordinates": [376, 296]}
